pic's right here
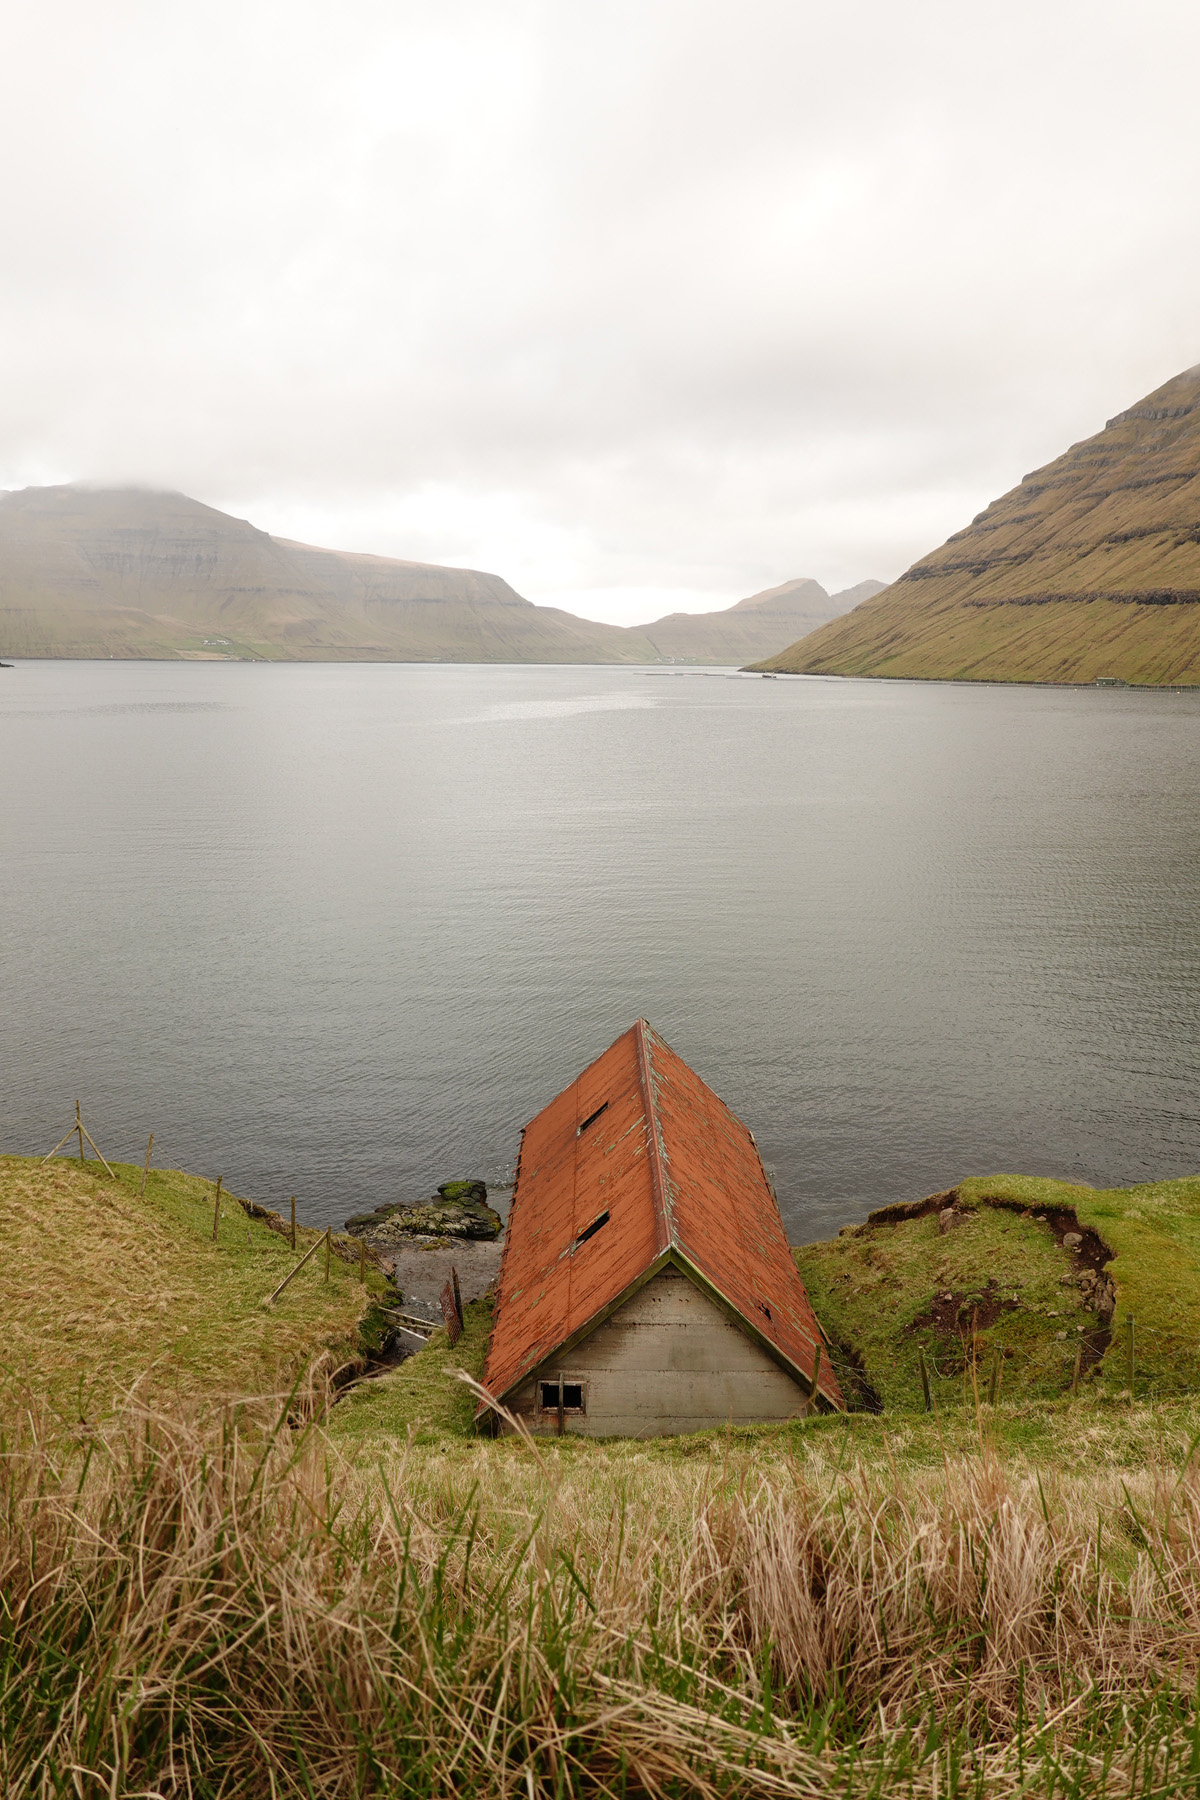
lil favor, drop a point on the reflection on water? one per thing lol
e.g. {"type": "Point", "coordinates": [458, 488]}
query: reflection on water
{"type": "Point", "coordinates": [341, 930]}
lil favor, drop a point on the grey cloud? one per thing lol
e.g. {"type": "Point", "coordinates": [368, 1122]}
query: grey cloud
{"type": "Point", "coordinates": [687, 296]}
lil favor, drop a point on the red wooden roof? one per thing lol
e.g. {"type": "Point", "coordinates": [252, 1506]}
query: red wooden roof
{"type": "Point", "coordinates": [640, 1137]}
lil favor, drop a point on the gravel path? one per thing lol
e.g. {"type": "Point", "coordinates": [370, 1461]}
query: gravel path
{"type": "Point", "coordinates": [423, 1266]}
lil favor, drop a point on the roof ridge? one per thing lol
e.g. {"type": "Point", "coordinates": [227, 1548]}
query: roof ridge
{"type": "Point", "coordinates": [664, 1223]}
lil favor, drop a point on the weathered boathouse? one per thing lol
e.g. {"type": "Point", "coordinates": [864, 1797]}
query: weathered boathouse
{"type": "Point", "coordinates": [646, 1285]}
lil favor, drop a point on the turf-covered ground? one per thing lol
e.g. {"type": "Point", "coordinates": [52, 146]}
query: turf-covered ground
{"type": "Point", "coordinates": [981, 1600]}
{"type": "Point", "coordinates": [983, 1279]}
{"type": "Point", "coordinates": [102, 1290]}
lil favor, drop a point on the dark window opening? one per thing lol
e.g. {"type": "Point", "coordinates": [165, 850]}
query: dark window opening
{"type": "Point", "coordinates": [572, 1396]}
{"type": "Point", "coordinates": [592, 1229]}
{"type": "Point", "coordinates": [591, 1119]}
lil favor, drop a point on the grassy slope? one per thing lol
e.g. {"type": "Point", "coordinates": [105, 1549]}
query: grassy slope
{"type": "Point", "coordinates": [99, 1289]}
{"type": "Point", "coordinates": [983, 1601]}
{"type": "Point", "coordinates": [754, 627]}
{"type": "Point", "coordinates": [421, 1396]}
{"type": "Point", "coordinates": [422, 1402]}
{"type": "Point", "coordinates": [134, 574]}
{"type": "Point", "coordinates": [870, 1287]}
{"type": "Point", "coordinates": [1116, 514]}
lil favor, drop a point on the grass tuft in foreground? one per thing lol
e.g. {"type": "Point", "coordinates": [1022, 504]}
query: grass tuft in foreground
{"type": "Point", "coordinates": [211, 1610]}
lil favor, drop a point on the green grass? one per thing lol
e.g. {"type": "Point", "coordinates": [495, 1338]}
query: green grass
{"type": "Point", "coordinates": [101, 1289]}
{"type": "Point", "coordinates": [421, 1397]}
{"type": "Point", "coordinates": [982, 1601]}
{"type": "Point", "coordinates": [873, 1288]}
{"type": "Point", "coordinates": [1153, 1230]}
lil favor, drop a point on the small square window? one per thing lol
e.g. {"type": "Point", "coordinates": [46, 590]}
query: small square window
{"type": "Point", "coordinates": [572, 1396]}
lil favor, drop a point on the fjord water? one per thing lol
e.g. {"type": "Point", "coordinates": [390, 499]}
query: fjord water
{"type": "Point", "coordinates": [339, 930]}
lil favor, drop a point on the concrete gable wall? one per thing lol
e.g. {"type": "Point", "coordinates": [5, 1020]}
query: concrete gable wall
{"type": "Point", "coordinates": [668, 1361]}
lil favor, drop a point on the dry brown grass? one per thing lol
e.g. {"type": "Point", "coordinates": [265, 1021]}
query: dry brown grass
{"type": "Point", "coordinates": [211, 1609]}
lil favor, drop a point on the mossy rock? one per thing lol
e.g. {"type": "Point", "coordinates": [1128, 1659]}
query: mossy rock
{"type": "Point", "coordinates": [473, 1191]}
{"type": "Point", "coordinates": [442, 1218]}
{"type": "Point", "coordinates": [363, 1222]}
{"type": "Point", "coordinates": [460, 1207]}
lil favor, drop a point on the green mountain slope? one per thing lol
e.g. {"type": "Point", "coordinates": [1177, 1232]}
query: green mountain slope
{"type": "Point", "coordinates": [130, 573]}
{"type": "Point", "coordinates": [1090, 569]}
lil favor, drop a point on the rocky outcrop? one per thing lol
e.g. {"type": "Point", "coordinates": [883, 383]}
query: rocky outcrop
{"type": "Point", "coordinates": [459, 1209]}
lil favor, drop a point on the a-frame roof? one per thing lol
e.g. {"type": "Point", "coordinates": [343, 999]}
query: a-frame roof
{"type": "Point", "coordinates": [640, 1138]}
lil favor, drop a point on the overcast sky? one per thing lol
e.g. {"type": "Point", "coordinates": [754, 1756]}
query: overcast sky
{"type": "Point", "coordinates": [640, 305]}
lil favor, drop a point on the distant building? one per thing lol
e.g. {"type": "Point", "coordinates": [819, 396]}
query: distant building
{"type": "Point", "coordinates": [646, 1284]}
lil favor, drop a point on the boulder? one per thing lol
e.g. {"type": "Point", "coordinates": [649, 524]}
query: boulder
{"type": "Point", "coordinates": [459, 1209]}
{"type": "Point", "coordinates": [474, 1191]}
{"type": "Point", "coordinates": [441, 1218]}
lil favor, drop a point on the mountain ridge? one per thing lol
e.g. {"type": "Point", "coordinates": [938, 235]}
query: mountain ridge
{"type": "Point", "coordinates": [88, 571]}
{"type": "Point", "coordinates": [1088, 570]}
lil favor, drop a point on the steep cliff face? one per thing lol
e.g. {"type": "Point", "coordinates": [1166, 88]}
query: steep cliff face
{"type": "Point", "coordinates": [1090, 568]}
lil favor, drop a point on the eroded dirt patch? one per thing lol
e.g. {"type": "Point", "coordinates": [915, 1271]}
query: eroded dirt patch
{"type": "Point", "coordinates": [955, 1318]}
{"type": "Point", "coordinates": [1088, 1257]}
{"type": "Point", "coordinates": [900, 1210]}
{"type": "Point", "coordinates": [852, 1376]}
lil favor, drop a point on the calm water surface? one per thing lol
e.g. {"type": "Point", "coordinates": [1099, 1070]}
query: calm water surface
{"type": "Point", "coordinates": [339, 931]}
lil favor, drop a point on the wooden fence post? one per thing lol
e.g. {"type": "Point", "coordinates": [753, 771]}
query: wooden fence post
{"type": "Point", "coordinates": [217, 1208]}
{"type": "Point", "coordinates": [450, 1302]}
{"type": "Point", "coordinates": [146, 1170]}
{"type": "Point", "coordinates": [311, 1251]}
{"type": "Point", "coordinates": [83, 1131]}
